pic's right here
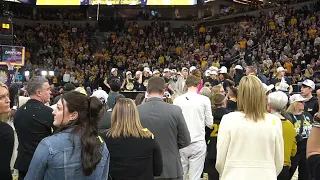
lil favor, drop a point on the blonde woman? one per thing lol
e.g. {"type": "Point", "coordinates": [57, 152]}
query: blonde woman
{"type": "Point", "coordinates": [134, 152]}
{"type": "Point", "coordinates": [302, 123]}
{"type": "Point", "coordinates": [250, 143]}
{"type": "Point", "coordinates": [217, 89]}
{"type": "Point", "coordinates": [6, 134]}
{"type": "Point", "coordinates": [281, 78]}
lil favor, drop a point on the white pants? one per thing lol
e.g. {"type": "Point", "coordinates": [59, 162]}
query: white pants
{"type": "Point", "coordinates": [192, 159]}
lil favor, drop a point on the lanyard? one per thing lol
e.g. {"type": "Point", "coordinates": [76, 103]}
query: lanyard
{"type": "Point", "coordinates": [304, 117]}
{"type": "Point", "coordinates": [301, 124]}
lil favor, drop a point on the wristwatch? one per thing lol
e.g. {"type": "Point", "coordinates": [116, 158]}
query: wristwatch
{"type": "Point", "coordinates": [316, 121]}
{"type": "Point", "coordinates": [316, 118]}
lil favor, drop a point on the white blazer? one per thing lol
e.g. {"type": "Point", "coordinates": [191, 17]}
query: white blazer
{"type": "Point", "coordinates": [248, 150]}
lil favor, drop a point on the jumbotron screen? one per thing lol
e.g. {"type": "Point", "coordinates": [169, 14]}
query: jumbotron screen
{"type": "Point", "coordinates": [116, 2]}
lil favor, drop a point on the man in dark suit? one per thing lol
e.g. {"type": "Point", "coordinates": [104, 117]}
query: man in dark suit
{"type": "Point", "coordinates": [167, 123]}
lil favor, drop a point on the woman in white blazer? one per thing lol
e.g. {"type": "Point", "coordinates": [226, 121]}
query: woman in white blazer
{"type": "Point", "coordinates": [250, 143]}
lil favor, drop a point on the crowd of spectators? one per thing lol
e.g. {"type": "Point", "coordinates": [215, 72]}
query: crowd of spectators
{"type": "Point", "coordinates": [282, 41]}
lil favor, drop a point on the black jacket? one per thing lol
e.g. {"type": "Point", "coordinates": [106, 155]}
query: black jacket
{"type": "Point", "coordinates": [7, 141]}
{"type": "Point", "coordinates": [133, 158]}
{"type": "Point", "coordinates": [33, 122]}
{"type": "Point", "coordinates": [311, 106]}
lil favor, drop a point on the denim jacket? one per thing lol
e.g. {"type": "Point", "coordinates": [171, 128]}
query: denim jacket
{"type": "Point", "coordinates": [59, 157]}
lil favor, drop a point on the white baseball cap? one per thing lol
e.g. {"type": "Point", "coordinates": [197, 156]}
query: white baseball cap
{"type": "Point", "coordinates": [309, 83]}
{"type": "Point", "coordinates": [213, 68]}
{"type": "Point", "coordinates": [283, 86]}
{"type": "Point", "coordinates": [113, 70]}
{"type": "Point", "coordinates": [267, 88]}
{"type": "Point", "coordinates": [166, 70]}
{"type": "Point", "coordinates": [213, 73]}
{"type": "Point", "coordinates": [146, 69]}
{"type": "Point", "coordinates": [223, 70]}
{"type": "Point", "coordinates": [156, 72]}
{"type": "Point", "coordinates": [280, 69]}
{"type": "Point", "coordinates": [173, 71]}
{"type": "Point", "coordinates": [297, 98]}
{"type": "Point", "coordinates": [138, 72]}
{"type": "Point", "coordinates": [184, 69]}
{"type": "Point", "coordinates": [128, 72]}
{"type": "Point", "coordinates": [101, 95]}
{"type": "Point", "coordinates": [238, 67]}
{"type": "Point", "coordinates": [192, 68]}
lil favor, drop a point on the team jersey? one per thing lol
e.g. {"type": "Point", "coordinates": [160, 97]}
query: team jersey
{"type": "Point", "coordinates": [212, 134]}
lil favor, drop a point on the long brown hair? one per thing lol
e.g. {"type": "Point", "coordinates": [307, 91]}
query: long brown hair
{"type": "Point", "coordinates": [89, 114]}
{"type": "Point", "coordinates": [125, 121]}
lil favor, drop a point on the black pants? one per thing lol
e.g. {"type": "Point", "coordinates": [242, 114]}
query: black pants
{"type": "Point", "coordinates": [301, 161]}
{"type": "Point", "coordinates": [22, 175]}
{"type": "Point", "coordinates": [210, 168]}
{"type": "Point", "coordinates": [284, 175]}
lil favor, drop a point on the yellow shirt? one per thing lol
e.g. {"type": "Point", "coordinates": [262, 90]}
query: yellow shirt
{"type": "Point", "coordinates": [289, 141]}
{"type": "Point", "coordinates": [272, 25]}
{"type": "Point", "coordinates": [216, 64]}
{"type": "Point", "coordinates": [243, 44]}
{"type": "Point", "coordinates": [161, 60]}
{"type": "Point", "coordinates": [55, 80]}
{"type": "Point", "coordinates": [179, 49]}
{"type": "Point", "coordinates": [312, 32]}
{"type": "Point", "coordinates": [293, 21]}
{"type": "Point", "coordinates": [207, 46]}
{"type": "Point", "coordinates": [202, 29]}
{"type": "Point", "coordinates": [288, 66]}
{"type": "Point", "coordinates": [203, 64]}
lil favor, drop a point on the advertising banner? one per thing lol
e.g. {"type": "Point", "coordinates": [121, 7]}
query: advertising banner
{"type": "Point", "coordinates": [13, 54]}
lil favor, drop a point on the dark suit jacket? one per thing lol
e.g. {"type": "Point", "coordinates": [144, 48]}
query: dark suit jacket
{"type": "Point", "coordinates": [167, 123]}
{"type": "Point", "coordinates": [33, 122]}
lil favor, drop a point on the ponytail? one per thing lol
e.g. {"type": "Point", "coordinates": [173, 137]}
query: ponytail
{"type": "Point", "coordinates": [86, 125]}
{"type": "Point", "coordinates": [90, 152]}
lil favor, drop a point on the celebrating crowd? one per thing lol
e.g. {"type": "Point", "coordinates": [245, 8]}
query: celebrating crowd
{"type": "Point", "coordinates": [234, 103]}
{"type": "Point", "coordinates": [231, 132]}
